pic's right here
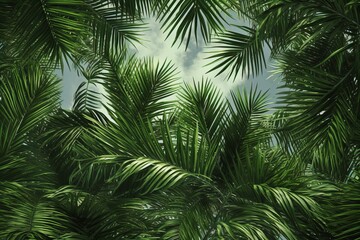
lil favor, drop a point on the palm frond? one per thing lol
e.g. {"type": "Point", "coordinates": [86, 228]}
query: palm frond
{"type": "Point", "coordinates": [56, 27]}
{"type": "Point", "coordinates": [109, 68]}
{"type": "Point", "coordinates": [63, 130]}
{"type": "Point", "coordinates": [189, 149]}
{"type": "Point", "coordinates": [136, 8]}
{"type": "Point", "coordinates": [322, 118]}
{"type": "Point", "coordinates": [242, 52]}
{"type": "Point", "coordinates": [112, 29]}
{"type": "Point", "coordinates": [88, 215]}
{"type": "Point", "coordinates": [293, 211]}
{"type": "Point", "coordinates": [144, 92]}
{"type": "Point", "coordinates": [191, 202]}
{"type": "Point", "coordinates": [187, 18]}
{"type": "Point", "coordinates": [202, 105]}
{"type": "Point", "coordinates": [282, 135]}
{"type": "Point", "coordinates": [243, 126]}
{"type": "Point", "coordinates": [28, 216]}
{"type": "Point", "coordinates": [237, 223]}
{"type": "Point", "coordinates": [344, 222]}
{"type": "Point", "coordinates": [9, 141]}
{"type": "Point", "coordinates": [159, 175]}
{"type": "Point", "coordinates": [86, 97]}
{"type": "Point", "coordinates": [27, 98]}
{"type": "Point", "coordinates": [137, 147]}
{"type": "Point", "coordinates": [301, 210]}
{"type": "Point", "coordinates": [7, 7]}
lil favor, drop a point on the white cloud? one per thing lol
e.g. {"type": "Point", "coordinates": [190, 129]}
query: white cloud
{"type": "Point", "coordinates": [155, 44]}
{"type": "Point", "coordinates": [70, 82]}
{"type": "Point", "coordinates": [190, 63]}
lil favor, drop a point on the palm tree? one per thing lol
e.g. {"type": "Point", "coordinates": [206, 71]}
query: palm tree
{"type": "Point", "coordinates": [315, 45]}
{"type": "Point", "coordinates": [57, 31]}
{"type": "Point", "coordinates": [200, 166]}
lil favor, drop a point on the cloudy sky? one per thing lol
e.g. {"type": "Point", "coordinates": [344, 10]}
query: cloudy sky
{"type": "Point", "coordinates": [191, 64]}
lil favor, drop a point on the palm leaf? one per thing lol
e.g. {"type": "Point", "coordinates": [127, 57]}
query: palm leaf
{"type": "Point", "coordinates": [344, 223]}
{"type": "Point", "coordinates": [188, 17]}
{"type": "Point", "coordinates": [133, 8]}
{"type": "Point", "coordinates": [31, 216]}
{"type": "Point", "coordinates": [26, 100]}
{"type": "Point", "coordinates": [144, 92]}
{"type": "Point", "coordinates": [111, 29]}
{"type": "Point", "coordinates": [56, 28]}
{"type": "Point", "coordinates": [159, 175]}
{"type": "Point", "coordinates": [89, 215]}
{"type": "Point", "coordinates": [256, 227]}
{"type": "Point", "coordinates": [243, 126]}
{"type": "Point", "coordinates": [86, 98]}
{"type": "Point", "coordinates": [325, 113]}
{"type": "Point", "coordinates": [242, 52]}
{"type": "Point", "coordinates": [202, 105]}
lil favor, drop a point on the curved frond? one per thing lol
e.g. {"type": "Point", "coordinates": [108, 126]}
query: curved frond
{"type": "Point", "coordinates": [112, 29]}
{"type": "Point", "coordinates": [344, 223]}
{"type": "Point", "coordinates": [135, 8]}
{"type": "Point", "coordinates": [55, 28]}
{"type": "Point", "coordinates": [326, 116]}
{"type": "Point", "coordinates": [189, 17]}
{"type": "Point", "coordinates": [86, 97]}
{"type": "Point", "coordinates": [28, 97]}
{"type": "Point", "coordinates": [32, 217]}
{"type": "Point", "coordinates": [302, 211]}
{"type": "Point", "coordinates": [251, 221]}
{"type": "Point", "coordinates": [243, 126]}
{"type": "Point", "coordinates": [144, 91]}
{"type": "Point", "coordinates": [242, 52]}
{"type": "Point", "coordinates": [159, 175]}
{"type": "Point", "coordinates": [203, 105]}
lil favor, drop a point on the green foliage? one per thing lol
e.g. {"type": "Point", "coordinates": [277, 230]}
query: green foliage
{"type": "Point", "coordinates": [147, 164]}
{"type": "Point", "coordinates": [344, 221]}
{"type": "Point", "coordinates": [241, 53]}
{"type": "Point", "coordinates": [189, 17]}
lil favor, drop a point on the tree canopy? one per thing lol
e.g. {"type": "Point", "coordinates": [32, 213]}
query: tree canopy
{"type": "Point", "coordinates": [197, 166]}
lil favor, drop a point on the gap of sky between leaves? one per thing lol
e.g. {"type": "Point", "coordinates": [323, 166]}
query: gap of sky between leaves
{"type": "Point", "coordinates": [190, 63]}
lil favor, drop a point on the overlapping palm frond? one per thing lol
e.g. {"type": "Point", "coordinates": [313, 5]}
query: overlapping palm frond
{"type": "Point", "coordinates": [86, 97]}
{"type": "Point", "coordinates": [326, 116]}
{"type": "Point", "coordinates": [243, 211]}
{"type": "Point", "coordinates": [149, 160]}
{"type": "Point", "coordinates": [6, 7]}
{"type": "Point", "coordinates": [133, 8]}
{"type": "Point", "coordinates": [153, 162]}
{"type": "Point", "coordinates": [174, 214]}
{"type": "Point", "coordinates": [61, 29]}
{"type": "Point", "coordinates": [344, 223]}
{"type": "Point", "coordinates": [65, 136]}
{"type": "Point", "coordinates": [27, 98]}
{"type": "Point", "coordinates": [55, 28]}
{"type": "Point", "coordinates": [275, 184]}
{"type": "Point", "coordinates": [112, 29]}
{"type": "Point", "coordinates": [31, 216]}
{"type": "Point", "coordinates": [140, 89]}
{"type": "Point", "coordinates": [243, 126]}
{"type": "Point", "coordinates": [316, 45]}
{"type": "Point", "coordinates": [199, 168]}
{"type": "Point", "coordinates": [88, 215]}
{"type": "Point", "coordinates": [188, 18]}
{"type": "Point", "coordinates": [242, 52]}
{"type": "Point", "coordinates": [203, 106]}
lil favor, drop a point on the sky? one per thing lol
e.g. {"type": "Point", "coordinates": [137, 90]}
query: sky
{"type": "Point", "coordinates": [190, 63]}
